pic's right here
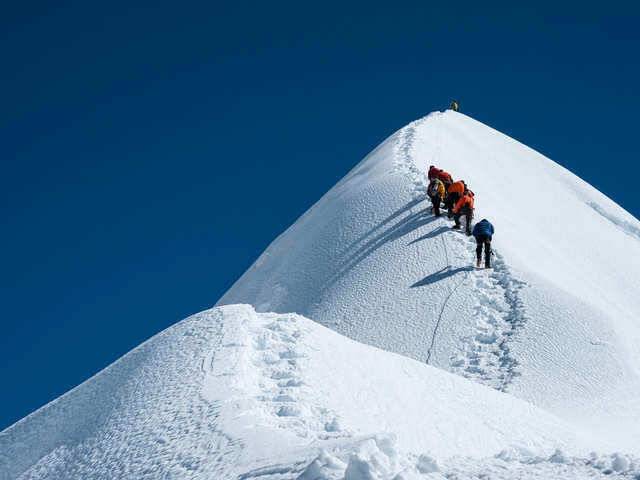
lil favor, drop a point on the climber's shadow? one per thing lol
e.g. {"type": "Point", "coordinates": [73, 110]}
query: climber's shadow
{"type": "Point", "coordinates": [446, 272]}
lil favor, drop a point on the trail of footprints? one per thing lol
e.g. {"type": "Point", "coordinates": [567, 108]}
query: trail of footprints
{"type": "Point", "coordinates": [404, 158]}
{"type": "Point", "coordinates": [277, 354]}
{"type": "Point", "coordinates": [485, 356]}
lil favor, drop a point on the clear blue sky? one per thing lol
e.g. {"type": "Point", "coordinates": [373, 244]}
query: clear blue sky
{"type": "Point", "coordinates": [150, 153]}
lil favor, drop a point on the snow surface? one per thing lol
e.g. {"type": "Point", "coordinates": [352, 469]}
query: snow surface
{"type": "Point", "coordinates": [428, 368]}
{"type": "Point", "coordinates": [231, 393]}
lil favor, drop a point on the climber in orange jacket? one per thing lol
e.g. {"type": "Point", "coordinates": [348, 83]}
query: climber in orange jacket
{"type": "Point", "coordinates": [454, 193]}
{"type": "Point", "coordinates": [464, 207]}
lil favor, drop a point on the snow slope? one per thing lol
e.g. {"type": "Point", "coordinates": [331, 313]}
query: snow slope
{"type": "Point", "coordinates": [556, 323]}
{"type": "Point", "coordinates": [230, 393]}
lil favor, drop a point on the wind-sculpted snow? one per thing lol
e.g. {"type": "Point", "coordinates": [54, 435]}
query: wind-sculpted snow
{"type": "Point", "coordinates": [142, 417]}
{"type": "Point", "coordinates": [629, 227]}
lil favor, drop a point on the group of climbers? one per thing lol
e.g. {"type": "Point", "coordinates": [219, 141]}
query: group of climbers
{"type": "Point", "coordinates": [456, 196]}
{"type": "Point", "coordinates": [458, 199]}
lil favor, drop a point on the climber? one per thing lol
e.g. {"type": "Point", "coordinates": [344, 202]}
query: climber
{"type": "Point", "coordinates": [445, 178]}
{"type": "Point", "coordinates": [464, 207]}
{"type": "Point", "coordinates": [467, 190]}
{"type": "Point", "coordinates": [454, 106]}
{"type": "Point", "coordinates": [436, 194]}
{"type": "Point", "coordinates": [433, 172]}
{"type": "Point", "coordinates": [483, 231]}
{"type": "Point", "coordinates": [454, 193]}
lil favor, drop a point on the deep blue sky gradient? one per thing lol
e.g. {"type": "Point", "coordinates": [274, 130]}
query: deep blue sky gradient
{"type": "Point", "coordinates": [150, 153]}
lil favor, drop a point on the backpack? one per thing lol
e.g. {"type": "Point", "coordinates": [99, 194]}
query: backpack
{"type": "Point", "coordinates": [445, 177]}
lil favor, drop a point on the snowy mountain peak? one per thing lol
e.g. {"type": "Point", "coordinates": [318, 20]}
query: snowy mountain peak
{"type": "Point", "coordinates": [536, 359]}
{"type": "Point", "coordinates": [555, 322]}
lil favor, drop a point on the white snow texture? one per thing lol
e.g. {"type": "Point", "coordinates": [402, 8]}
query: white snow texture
{"type": "Point", "coordinates": [362, 344]}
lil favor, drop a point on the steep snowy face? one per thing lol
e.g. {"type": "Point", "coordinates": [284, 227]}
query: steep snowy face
{"type": "Point", "coordinates": [557, 320]}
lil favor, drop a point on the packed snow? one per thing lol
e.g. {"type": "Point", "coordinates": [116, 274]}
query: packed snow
{"type": "Point", "coordinates": [363, 344]}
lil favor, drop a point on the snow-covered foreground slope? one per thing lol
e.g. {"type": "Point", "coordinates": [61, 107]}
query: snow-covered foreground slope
{"type": "Point", "coordinates": [556, 323]}
{"type": "Point", "coordinates": [230, 393]}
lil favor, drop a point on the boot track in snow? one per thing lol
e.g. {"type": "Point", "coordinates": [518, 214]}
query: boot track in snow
{"type": "Point", "coordinates": [499, 313]}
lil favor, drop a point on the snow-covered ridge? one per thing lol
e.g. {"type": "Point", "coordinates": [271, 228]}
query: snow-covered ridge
{"type": "Point", "coordinates": [230, 393]}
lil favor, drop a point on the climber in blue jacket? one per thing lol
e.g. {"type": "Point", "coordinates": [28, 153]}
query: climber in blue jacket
{"type": "Point", "coordinates": [483, 232]}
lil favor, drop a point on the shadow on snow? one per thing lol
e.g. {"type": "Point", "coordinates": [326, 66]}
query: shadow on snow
{"type": "Point", "coordinates": [446, 272]}
{"type": "Point", "coordinates": [433, 234]}
{"type": "Point", "coordinates": [398, 230]}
